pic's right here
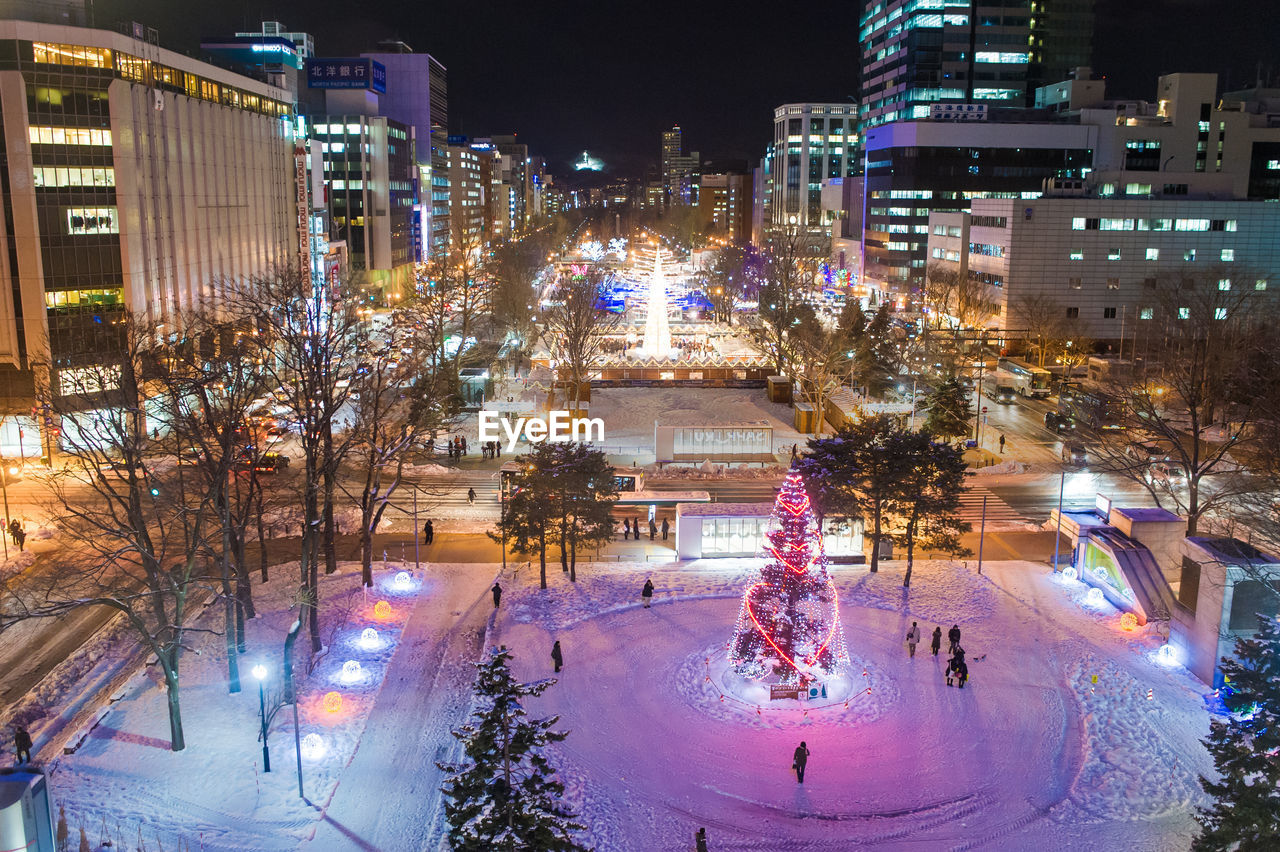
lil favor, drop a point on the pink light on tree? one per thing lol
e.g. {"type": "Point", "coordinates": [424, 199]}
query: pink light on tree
{"type": "Point", "coordinates": [789, 624]}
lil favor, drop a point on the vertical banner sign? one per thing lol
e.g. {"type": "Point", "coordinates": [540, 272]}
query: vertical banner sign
{"type": "Point", "coordinates": [300, 183]}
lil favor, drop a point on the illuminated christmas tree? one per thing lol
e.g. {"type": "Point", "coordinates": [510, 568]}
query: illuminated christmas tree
{"type": "Point", "coordinates": [789, 625]}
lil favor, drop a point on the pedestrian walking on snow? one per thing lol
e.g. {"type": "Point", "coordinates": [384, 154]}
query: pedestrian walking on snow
{"type": "Point", "coordinates": [1002, 443]}
{"type": "Point", "coordinates": [953, 635]}
{"type": "Point", "coordinates": [22, 742]}
{"type": "Point", "coordinates": [22, 538]}
{"type": "Point", "coordinates": [464, 445]}
{"type": "Point", "coordinates": [700, 840]}
{"type": "Point", "coordinates": [556, 655]}
{"type": "Point", "coordinates": [646, 593]}
{"type": "Point", "coordinates": [962, 671]}
{"type": "Point", "coordinates": [936, 643]}
{"type": "Point", "coordinates": [430, 531]}
{"type": "Point", "coordinates": [497, 595]}
{"type": "Point", "coordinates": [951, 670]}
{"type": "Point", "coordinates": [799, 760]}
{"type": "Point", "coordinates": [913, 638]}
{"type": "Point", "coordinates": [626, 529]}
{"type": "Point", "coordinates": [471, 496]}
{"type": "Point", "coordinates": [665, 528]}
{"type": "Point", "coordinates": [653, 529]}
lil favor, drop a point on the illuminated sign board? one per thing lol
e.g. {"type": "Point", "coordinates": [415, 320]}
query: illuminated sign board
{"type": "Point", "coordinates": [347, 74]}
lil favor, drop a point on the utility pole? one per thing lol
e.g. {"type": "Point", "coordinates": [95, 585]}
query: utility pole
{"type": "Point", "coordinates": [1062, 481]}
{"type": "Point", "coordinates": [417, 534]}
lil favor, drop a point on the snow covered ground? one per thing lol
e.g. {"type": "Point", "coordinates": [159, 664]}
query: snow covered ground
{"type": "Point", "coordinates": [1033, 753]}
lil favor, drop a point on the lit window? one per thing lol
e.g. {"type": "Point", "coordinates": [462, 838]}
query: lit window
{"type": "Point", "coordinates": [71, 54]}
{"type": "Point", "coordinates": [50, 176]}
{"type": "Point", "coordinates": [1189, 254]}
{"type": "Point", "coordinates": [1260, 284]}
{"type": "Point", "coordinates": [1219, 313]}
{"type": "Point", "coordinates": [1153, 254]}
{"type": "Point", "coordinates": [68, 136]}
{"type": "Point", "coordinates": [1228, 254]}
{"type": "Point", "coordinates": [92, 220]}
{"type": "Point", "coordinates": [1191, 225]}
{"type": "Point", "coordinates": [1077, 254]}
{"type": "Point", "coordinates": [1224, 283]}
{"type": "Point", "coordinates": [1107, 189]}
{"type": "Point", "coordinates": [1078, 223]}
{"type": "Point", "coordinates": [1146, 313]}
{"type": "Point", "coordinates": [1184, 313]}
{"type": "Point", "coordinates": [1137, 189]}
{"type": "Point", "coordinates": [1113, 254]}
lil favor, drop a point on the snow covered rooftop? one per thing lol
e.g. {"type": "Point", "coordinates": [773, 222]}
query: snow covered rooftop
{"type": "Point", "coordinates": [1148, 516]}
{"type": "Point", "coordinates": [724, 510]}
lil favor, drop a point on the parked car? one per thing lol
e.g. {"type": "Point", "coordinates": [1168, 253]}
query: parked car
{"type": "Point", "coordinates": [1056, 421]}
{"type": "Point", "coordinates": [1073, 453]}
{"type": "Point", "coordinates": [1145, 452]}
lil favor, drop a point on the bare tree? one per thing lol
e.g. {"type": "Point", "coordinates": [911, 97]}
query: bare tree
{"type": "Point", "coordinates": [136, 535]}
{"type": "Point", "coordinates": [789, 265]}
{"type": "Point", "coordinates": [957, 301]}
{"type": "Point", "coordinates": [1204, 372]}
{"type": "Point", "coordinates": [577, 325]}
{"type": "Point", "coordinates": [1039, 317]}
{"type": "Point", "coordinates": [209, 376]}
{"type": "Point", "coordinates": [316, 337]}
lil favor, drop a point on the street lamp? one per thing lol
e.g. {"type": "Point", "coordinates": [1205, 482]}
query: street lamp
{"type": "Point", "coordinates": [260, 672]}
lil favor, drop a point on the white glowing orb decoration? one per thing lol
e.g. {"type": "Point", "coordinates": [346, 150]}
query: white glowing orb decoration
{"type": "Point", "coordinates": [369, 639]}
{"type": "Point", "coordinates": [351, 671]}
{"type": "Point", "coordinates": [314, 747]}
{"type": "Point", "coordinates": [1095, 596]}
{"type": "Point", "coordinates": [593, 250]}
{"type": "Point", "coordinates": [1070, 573]}
{"type": "Point", "coordinates": [1165, 654]}
{"type": "Point", "coordinates": [403, 581]}
{"type": "Point", "coordinates": [618, 246]}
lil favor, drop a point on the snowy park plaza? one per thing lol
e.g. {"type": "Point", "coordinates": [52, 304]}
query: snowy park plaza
{"type": "Point", "coordinates": [1072, 733]}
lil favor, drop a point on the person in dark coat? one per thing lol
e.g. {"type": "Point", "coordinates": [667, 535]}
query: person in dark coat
{"type": "Point", "coordinates": [22, 742]}
{"type": "Point", "coordinates": [665, 528]}
{"type": "Point", "coordinates": [428, 532]}
{"type": "Point", "coordinates": [556, 655]}
{"type": "Point", "coordinates": [937, 640]}
{"type": "Point", "coordinates": [22, 538]}
{"type": "Point", "coordinates": [497, 595]}
{"type": "Point", "coordinates": [700, 840]}
{"type": "Point", "coordinates": [962, 671]}
{"type": "Point", "coordinates": [653, 529]}
{"type": "Point", "coordinates": [471, 496]}
{"type": "Point", "coordinates": [954, 636]}
{"type": "Point", "coordinates": [951, 671]}
{"type": "Point", "coordinates": [800, 760]}
{"type": "Point", "coordinates": [626, 529]}
{"type": "Point", "coordinates": [646, 593]}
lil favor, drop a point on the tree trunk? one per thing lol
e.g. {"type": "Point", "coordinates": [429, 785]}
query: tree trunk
{"type": "Point", "coordinates": [177, 742]}
{"type": "Point", "coordinates": [573, 559]}
{"type": "Point", "coordinates": [366, 555]}
{"type": "Point", "coordinates": [262, 542]}
{"type": "Point", "coordinates": [542, 558]}
{"type": "Point", "coordinates": [875, 542]}
{"type": "Point", "coordinates": [330, 551]}
{"type": "Point", "coordinates": [229, 611]}
{"type": "Point", "coordinates": [313, 616]}
{"type": "Point", "coordinates": [911, 549]}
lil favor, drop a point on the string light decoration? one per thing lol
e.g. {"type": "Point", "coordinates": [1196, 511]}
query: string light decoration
{"type": "Point", "coordinates": [789, 623]}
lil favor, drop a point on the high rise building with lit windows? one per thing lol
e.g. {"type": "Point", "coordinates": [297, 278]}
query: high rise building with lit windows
{"type": "Point", "coordinates": [917, 53]}
{"type": "Point", "coordinates": [811, 143]}
{"type": "Point", "coordinates": [134, 179]}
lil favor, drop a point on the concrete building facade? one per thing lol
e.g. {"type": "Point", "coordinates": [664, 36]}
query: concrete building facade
{"type": "Point", "coordinates": [135, 179]}
{"type": "Point", "coordinates": [811, 143]}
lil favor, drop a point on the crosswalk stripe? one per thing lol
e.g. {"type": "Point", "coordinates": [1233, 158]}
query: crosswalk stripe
{"type": "Point", "coordinates": [997, 510]}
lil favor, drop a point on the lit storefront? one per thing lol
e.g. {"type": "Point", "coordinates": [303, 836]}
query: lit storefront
{"type": "Point", "coordinates": [749, 442]}
{"type": "Point", "coordinates": [714, 530]}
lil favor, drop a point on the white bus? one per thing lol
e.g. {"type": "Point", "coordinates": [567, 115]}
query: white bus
{"type": "Point", "coordinates": [1027, 380]}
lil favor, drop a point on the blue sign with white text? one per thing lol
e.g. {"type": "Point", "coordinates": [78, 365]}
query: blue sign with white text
{"type": "Point", "coordinates": [346, 74]}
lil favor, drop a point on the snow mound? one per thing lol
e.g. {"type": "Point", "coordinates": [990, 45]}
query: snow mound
{"type": "Point", "coordinates": [706, 682]}
{"type": "Point", "coordinates": [1004, 467]}
{"type": "Point", "coordinates": [1129, 771]}
{"type": "Point", "coordinates": [941, 592]}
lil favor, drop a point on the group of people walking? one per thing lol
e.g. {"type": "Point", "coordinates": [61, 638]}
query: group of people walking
{"type": "Point", "coordinates": [629, 528]}
{"type": "Point", "coordinates": [19, 536]}
{"type": "Point", "coordinates": [957, 669]}
{"type": "Point", "coordinates": [491, 449]}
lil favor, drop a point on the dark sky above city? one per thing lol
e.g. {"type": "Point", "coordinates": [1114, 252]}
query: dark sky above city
{"type": "Point", "coordinates": [568, 75]}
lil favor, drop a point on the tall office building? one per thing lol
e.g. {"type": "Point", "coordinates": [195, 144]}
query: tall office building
{"type": "Point", "coordinates": [811, 143]}
{"type": "Point", "coordinates": [917, 53]}
{"type": "Point", "coordinates": [466, 193]}
{"type": "Point", "coordinates": [417, 96]}
{"type": "Point", "coordinates": [679, 172]}
{"type": "Point", "coordinates": [135, 178]}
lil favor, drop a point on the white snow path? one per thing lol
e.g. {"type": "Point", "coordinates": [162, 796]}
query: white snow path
{"type": "Point", "coordinates": [427, 693]}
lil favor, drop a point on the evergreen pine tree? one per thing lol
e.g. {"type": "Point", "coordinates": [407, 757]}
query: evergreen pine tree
{"type": "Point", "coordinates": [504, 795]}
{"type": "Point", "coordinates": [950, 415]}
{"type": "Point", "coordinates": [1246, 750]}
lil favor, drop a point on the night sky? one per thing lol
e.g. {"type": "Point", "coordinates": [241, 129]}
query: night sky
{"type": "Point", "coordinates": [567, 75]}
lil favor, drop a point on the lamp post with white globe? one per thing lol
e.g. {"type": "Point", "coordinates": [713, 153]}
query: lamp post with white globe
{"type": "Point", "coordinates": [260, 672]}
